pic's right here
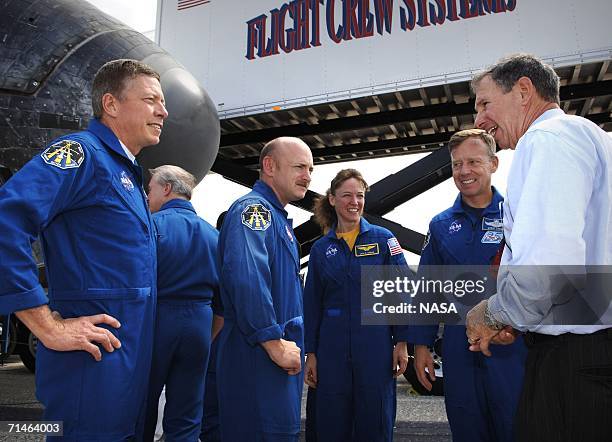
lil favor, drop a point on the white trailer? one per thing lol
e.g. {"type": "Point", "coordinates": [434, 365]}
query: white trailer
{"type": "Point", "coordinates": [256, 56]}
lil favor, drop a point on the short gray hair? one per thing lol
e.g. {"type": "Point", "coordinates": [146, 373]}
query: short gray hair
{"type": "Point", "coordinates": [507, 71]}
{"type": "Point", "coordinates": [181, 182]}
{"type": "Point", "coordinates": [462, 135]}
{"type": "Point", "coordinates": [111, 79]}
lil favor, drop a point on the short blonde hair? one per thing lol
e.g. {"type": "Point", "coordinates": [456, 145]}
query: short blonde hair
{"type": "Point", "coordinates": [462, 135]}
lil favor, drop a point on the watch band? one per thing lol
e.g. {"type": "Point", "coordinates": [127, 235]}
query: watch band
{"type": "Point", "coordinates": [490, 321]}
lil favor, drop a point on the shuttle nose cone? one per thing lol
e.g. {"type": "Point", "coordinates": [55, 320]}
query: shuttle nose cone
{"type": "Point", "coordinates": [190, 138]}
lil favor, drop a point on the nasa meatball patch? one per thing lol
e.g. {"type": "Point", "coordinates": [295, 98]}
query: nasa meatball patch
{"type": "Point", "coordinates": [126, 181]}
{"type": "Point", "coordinates": [331, 251]}
{"type": "Point", "coordinates": [65, 154]}
{"type": "Point", "coordinates": [256, 217]}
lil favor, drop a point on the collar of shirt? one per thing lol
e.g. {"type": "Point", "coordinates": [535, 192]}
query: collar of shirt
{"type": "Point", "coordinates": [267, 192]}
{"type": "Point", "coordinates": [364, 226]}
{"type": "Point", "coordinates": [492, 208]}
{"type": "Point", "coordinates": [349, 237]}
{"type": "Point", "coordinates": [128, 154]}
{"type": "Point", "coordinates": [551, 113]}
{"type": "Point", "coordinates": [109, 138]}
{"type": "Point", "coordinates": [177, 203]}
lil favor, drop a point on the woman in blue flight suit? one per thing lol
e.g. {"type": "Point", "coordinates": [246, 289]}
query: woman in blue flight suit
{"type": "Point", "coordinates": [352, 367]}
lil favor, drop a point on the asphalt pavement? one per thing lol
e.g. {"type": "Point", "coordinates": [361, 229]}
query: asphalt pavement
{"type": "Point", "coordinates": [419, 418]}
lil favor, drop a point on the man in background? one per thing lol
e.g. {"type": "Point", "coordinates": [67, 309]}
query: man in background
{"type": "Point", "coordinates": [210, 431]}
{"type": "Point", "coordinates": [187, 280]}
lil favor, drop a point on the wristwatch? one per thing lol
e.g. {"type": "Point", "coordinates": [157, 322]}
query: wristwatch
{"type": "Point", "coordinates": [490, 321]}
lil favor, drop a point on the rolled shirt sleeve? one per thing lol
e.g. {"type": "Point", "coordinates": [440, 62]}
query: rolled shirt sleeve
{"type": "Point", "coordinates": [245, 275]}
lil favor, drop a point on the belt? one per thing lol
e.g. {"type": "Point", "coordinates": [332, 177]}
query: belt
{"type": "Point", "coordinates": [538, 338]}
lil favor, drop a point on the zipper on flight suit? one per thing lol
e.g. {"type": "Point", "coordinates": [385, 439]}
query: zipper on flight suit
{"type": "Point", "coordinates": [348, 273]}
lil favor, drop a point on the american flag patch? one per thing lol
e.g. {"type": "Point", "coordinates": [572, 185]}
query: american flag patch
{"type": "Point", "coordinates": [394, 246]}
{"type": "Point", "coordinates": [186, 4]}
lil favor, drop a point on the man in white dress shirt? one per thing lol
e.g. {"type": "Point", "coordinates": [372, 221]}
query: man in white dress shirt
{"type": "Point", "coordinates": [557, 213]}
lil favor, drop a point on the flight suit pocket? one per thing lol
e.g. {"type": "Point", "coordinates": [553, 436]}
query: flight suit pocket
{"type": "Point", "coordinates": [132, 200]}
{"type": "Point", "coordinates": [94, 294]}
{"type": "Point", "coordinates": [333, 312]}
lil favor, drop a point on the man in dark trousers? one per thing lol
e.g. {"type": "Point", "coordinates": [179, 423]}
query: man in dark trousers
{"type": "Point", "coordinates": [557, 221]}
{"type": "Point", "coordinates": [187, 280]}
{"type": "Point", "coordinates": [481, 394]}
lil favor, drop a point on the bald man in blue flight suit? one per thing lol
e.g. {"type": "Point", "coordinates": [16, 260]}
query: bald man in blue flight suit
{"type": "Point", "coordinates": [481, 394]}
{"type": "Point", "coordinates": [259, 358]}
{"type": "Point", "coordinates": [187, 280]}
{"type": "Point", "coordinates": [83, 195]}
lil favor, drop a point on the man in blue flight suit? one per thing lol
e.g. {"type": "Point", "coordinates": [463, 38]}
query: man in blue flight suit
{"type": "Point", "coordinates": [187, 279]}
{"type": "Point", "coordinates": [481, 394]}
{"type": "Point", "coordinates": [210, 431]}
{"type": "Point", "coordinates": [83, 194]}
{"type": "Point", "coordinates": [259, 358]}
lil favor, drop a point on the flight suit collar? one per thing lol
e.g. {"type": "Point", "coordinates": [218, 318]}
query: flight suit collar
{"type": "Point", "coordinates": [492, 208]}
{"type": "Point", "coordinates": [129, 154]}
{"type": "Point", "coordinates": [495, 206]}
{"type": "Point", "coordinates": [269, 195]}
{"type": "Point", "coordinates": [364, 226]}
{"type": "Point", "coordinates": [107, 136]}
{"type": "Point", "coordinates": [177, 203]}
{"type": "Point", "coordinates": [112, 143]}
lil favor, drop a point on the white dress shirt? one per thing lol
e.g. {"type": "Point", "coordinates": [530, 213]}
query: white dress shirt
{"type": "Point", "coordinates": [557, 212]}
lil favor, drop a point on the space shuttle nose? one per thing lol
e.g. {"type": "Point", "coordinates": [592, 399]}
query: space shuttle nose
{"type": "Point", "coordinates": [190, 138]}
{"type": "Point", "coordinates": [46, 78]}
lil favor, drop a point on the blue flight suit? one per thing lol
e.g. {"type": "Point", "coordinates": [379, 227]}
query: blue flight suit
{"type": "Point", "coordinates": [481, 393]}
{"type": "Point", "coordinates": [261, 291]}
{"type": "Point", "coordinates": [355, 394]}
{"type": "Point", "coordinates": [187, 280]}
{"type": "Point", "coordinates": [210, 431]}
{"type": "Point", "coordinates": [85, 199]}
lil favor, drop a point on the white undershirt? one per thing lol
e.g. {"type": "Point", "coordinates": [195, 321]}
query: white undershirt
{"type": "Point", "coordinates": [129, 154]}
